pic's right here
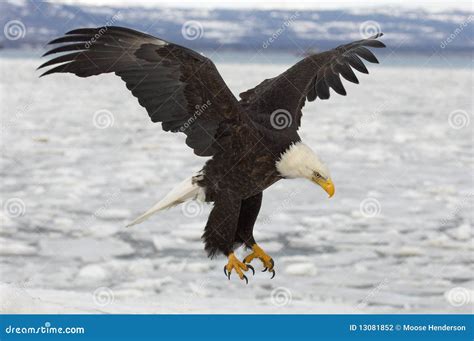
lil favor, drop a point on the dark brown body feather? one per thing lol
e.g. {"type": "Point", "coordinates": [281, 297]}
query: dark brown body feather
{"type": "Point", "coordinates": [184, 91]}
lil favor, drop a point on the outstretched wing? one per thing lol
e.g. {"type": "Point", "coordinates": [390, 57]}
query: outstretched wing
{"type": "Point", "coordinates": [178, 87]}
{"type": "Point", "coordinates": [309, 79]}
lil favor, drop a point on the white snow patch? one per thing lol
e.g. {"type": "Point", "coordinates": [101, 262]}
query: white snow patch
{"type": "Point", "coordinates": [92, 272]}
{"type": "Point", "coordinates": [301, 269]}
{"type": "Point", "coordinates": [14, 247]}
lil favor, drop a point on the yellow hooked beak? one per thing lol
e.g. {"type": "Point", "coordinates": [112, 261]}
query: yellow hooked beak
{"type": "Point", "coordinates": [327, 185]}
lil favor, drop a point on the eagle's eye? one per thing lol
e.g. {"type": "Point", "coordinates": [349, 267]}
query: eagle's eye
{"type": "Point", "coordinates": [317, 175]}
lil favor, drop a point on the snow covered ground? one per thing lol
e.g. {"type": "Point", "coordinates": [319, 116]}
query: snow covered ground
{"type": "Point", "coordinates": [80, 159]}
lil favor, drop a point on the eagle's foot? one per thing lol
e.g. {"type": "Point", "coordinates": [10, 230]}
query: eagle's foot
{"type": "Point", "coordinates": [257, 252]}
{"type": "Point", "coordinates": [235, 264]}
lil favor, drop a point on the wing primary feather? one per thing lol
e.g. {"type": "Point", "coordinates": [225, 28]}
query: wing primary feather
{"type": "Point", "coordinates": [69, 39]}
{"type": "Point", "coordinates": [356, 63]}
{"type": "Point", "coordinates": [366, 54]}
{"type": "Point", "coordinates": [58, 69]}
{"type": "Point", "coordinates": [322, 89]}
{"type": "Point", "coordinates": [85, 31]}
{"type": "Point", "coordinates": [65, 48]}
{"type": "Point", "coordinates": [346, 72]}
{"type": "Point", "coordinates": [333, 80]}
{"type": "Point", "coordinates": [60, 59]}
{"type": "Point", "coordinates": [373, 43]}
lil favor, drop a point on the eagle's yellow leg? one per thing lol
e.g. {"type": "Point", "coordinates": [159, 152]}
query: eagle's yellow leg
{"type": "Point", "coordinates": [257, 252]}
{"type": "Point", "coordinates": [235, 264]}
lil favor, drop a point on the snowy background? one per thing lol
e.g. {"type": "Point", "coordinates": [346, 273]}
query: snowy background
{"type": "Point", "coordinates": [80, 159]}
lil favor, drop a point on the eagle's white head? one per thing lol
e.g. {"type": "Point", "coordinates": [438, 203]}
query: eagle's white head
{"type": "Point", "coordinates": [300, 161]}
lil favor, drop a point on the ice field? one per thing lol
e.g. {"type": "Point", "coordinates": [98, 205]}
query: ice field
{"type": "Point", "coordinates": [80, 159]}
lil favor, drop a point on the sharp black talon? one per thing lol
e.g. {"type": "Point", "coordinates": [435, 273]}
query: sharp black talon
{"type": "Point", "coordinates": [226, 273]}
{"type": "Point", "coordinates": [273, 271]}
{"type": "Point", "coordinates": [251, 268]}
{"type": "Point", "coordinates": [272, 262]}
{"type": "Point", "coordinates": [265, 269]}
{"type": "Point", "coordinates": [246, 279]}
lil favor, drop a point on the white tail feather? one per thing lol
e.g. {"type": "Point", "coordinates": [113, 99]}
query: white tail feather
{"type": "Point", "coordinates": [186, 190]}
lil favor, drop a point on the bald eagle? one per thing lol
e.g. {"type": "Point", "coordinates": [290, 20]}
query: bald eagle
{"type": "Point", "coordinates": [253, 142]}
